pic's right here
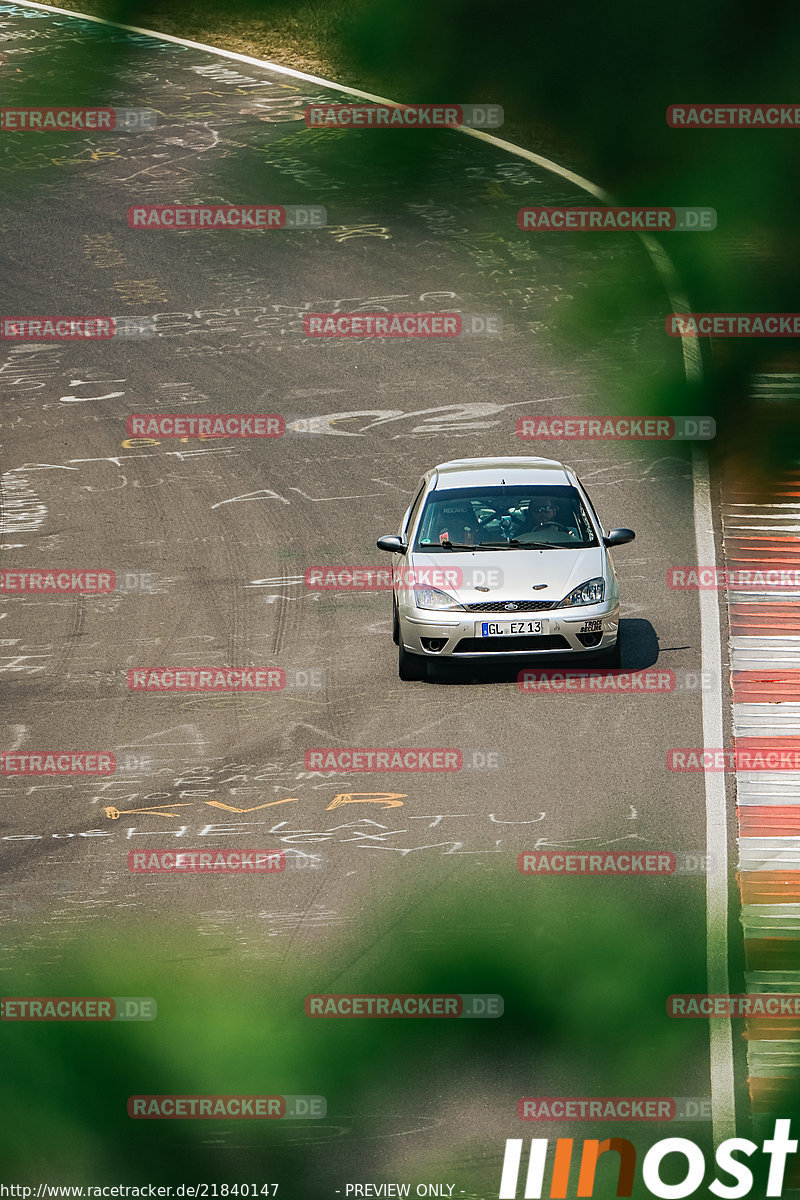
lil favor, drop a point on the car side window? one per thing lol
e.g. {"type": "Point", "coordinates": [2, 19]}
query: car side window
{"type": "Point", "coordinates": [412, 512]}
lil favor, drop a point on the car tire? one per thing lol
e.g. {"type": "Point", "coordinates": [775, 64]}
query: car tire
{"type": "Point", "coordinates": [395, 624]}
{"type": "Point", "coordinates": [412, 668]}
{"type": "Point", "coordinates": [440, 670]}
{"type": "Point", "coordinates": [612, 657]}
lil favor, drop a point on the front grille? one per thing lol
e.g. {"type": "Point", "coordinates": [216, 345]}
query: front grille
{"type": "Point", "coordinates": [498, 606]}
{"type": "Point", "coordinates": [491, 645]}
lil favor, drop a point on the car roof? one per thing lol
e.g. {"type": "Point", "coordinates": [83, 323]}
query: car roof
{"type": "Point", "coordinates": [493, 472]}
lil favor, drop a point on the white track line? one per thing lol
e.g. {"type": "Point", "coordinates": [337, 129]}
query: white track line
{"type": "Point", "coordinates": [723, 1114]}
{"type": "Point", "coordinates": [721, 1053]}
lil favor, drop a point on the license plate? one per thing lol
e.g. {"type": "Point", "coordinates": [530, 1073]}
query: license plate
{"type": "Point", "coordinates": [508, 628]}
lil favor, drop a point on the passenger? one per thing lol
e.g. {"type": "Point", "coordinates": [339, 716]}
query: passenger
{"type": "Point", "coordinates": [457, 523]}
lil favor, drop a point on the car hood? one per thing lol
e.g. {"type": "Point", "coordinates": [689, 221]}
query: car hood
{"type": "Point", "coordinates": [511, 574]}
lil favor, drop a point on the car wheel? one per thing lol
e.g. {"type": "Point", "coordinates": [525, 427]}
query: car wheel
{"type": "Point", "coordinates": [410, 667]}
{"type": "Point", "coordinates": [395, 624]}
{"type": "Point", "coordinates": [440, 670]}
{"type": "Point", "coordinates": [612, 657]}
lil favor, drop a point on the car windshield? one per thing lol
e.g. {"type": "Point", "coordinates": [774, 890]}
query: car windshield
{"type": "Point", "coordinates": [513, 517]}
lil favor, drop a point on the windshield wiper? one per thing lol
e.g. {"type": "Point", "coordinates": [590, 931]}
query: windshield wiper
{"type": "Point", "coordinates": [444, 546]}
{"type": "Point", "coordinates": [513, 544]}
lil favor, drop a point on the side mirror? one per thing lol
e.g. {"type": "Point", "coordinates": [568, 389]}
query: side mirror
{"type": "Point", "coordinates": [618, 537]}
{"type": "Point", "coordinates": [392, 543]}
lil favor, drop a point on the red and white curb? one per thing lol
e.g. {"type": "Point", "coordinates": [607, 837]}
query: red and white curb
{"type": "Point", "coordinates": [761, 531]}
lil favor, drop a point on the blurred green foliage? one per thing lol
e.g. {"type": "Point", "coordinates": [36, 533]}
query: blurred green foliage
{"type": "Point", "coordinates": [582, 967]}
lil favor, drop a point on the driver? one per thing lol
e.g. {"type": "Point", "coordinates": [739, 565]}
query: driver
{"type": "Point", "coordinates": [542, 522]}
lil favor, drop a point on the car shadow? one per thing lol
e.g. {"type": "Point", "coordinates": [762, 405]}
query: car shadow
{"type": "Point", "coordinates": [640, 650]}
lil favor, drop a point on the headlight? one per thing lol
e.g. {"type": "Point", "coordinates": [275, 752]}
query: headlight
{"type": "Point", "coordinates": [591, 592]}
{"type": "Point", "coordinates": [428, 597]}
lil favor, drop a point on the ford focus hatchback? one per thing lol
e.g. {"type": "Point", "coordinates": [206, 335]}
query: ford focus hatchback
{"type": "Point", "coordinates": [503, 558]}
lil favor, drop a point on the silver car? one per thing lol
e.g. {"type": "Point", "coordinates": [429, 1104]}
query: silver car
{"type": "Point", "coordinates": [503, 558]}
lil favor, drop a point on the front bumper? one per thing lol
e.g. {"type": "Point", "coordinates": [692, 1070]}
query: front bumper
{"type": "Point", "coordinates": [460, 635]}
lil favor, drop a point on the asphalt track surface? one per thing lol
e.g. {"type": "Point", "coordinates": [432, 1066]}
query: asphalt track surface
{"type": "Point", "coordinates": [421, 896]}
